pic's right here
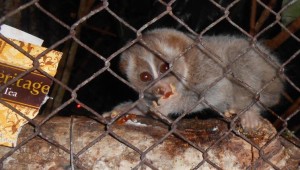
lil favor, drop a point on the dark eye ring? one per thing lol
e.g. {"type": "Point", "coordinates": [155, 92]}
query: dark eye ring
{"type": "Point", "coordinates": [164, 67]}
{"type": "Point", "coordinates": [146, 76]}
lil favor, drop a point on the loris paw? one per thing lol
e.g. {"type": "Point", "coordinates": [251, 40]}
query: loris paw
{"type": "Point", "coordinates": [120, 109]}
{"type": "Point", "coordinates": [229, 113]}
{"type": "Point", "coordinates": [111, 114]}
{"type": "Point", "coordinates": [251, 120]}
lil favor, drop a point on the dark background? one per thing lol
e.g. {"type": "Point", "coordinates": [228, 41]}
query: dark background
{"type": "Point", "coordinates": [105, 34]}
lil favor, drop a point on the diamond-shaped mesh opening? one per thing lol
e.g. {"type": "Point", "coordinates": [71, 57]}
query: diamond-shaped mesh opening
{"type": "Point", "coordinates": [137, 13]}
{"type": "Point", "coordinates": [194, 126]}
{"type": "Point", "coordinates": [58, 9]}
{"type": "Point", "coordinates": [175, 151]}
{"type": "Point", "coordinates": [103, 30]}
{"type": "Point", "coordinates": [123, 156]}
{"type": "Point", "coordinates": [43, 153]}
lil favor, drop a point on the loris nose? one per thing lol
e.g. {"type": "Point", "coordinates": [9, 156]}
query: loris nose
{"type": "Point", "coordinates": [159, 91]}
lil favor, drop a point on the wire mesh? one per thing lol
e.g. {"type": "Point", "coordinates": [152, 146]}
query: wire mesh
{"type": "Point", "coordinates": [105, 6]}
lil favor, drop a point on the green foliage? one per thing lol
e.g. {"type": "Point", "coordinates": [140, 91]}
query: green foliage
{"type": "Point", "coordinates": [291, 13]}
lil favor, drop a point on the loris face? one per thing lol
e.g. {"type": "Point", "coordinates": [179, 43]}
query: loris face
{"type": "Point", "coordinates": [142, 66]}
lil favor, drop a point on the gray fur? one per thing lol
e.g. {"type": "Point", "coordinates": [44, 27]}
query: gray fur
{"type": "Point", "coordinates": [199, 67]}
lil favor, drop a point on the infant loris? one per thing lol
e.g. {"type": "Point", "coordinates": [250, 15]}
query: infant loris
{"type": "Point", "coordinates": [225, 71]}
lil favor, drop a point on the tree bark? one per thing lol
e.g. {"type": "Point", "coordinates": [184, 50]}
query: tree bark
{"type": "Point", "coordinates": [107, 152]}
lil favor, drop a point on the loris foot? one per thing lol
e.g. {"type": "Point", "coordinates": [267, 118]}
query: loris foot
{"type": "Point", "coordinates": [251, 120]}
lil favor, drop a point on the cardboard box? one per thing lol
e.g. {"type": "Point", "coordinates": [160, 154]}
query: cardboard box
{"type": "Point", "coordinates": [27, 93]}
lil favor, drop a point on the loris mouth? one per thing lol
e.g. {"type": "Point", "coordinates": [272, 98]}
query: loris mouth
{"type": "Point", "coordinates": [151, 97]}
{"type": "Point", "coordinates": [166, 96]}
{"type": "Point", "coordinates": [161, 96]}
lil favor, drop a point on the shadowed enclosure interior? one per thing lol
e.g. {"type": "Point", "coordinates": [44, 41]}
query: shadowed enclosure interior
{"type": "Point", "coordinates": [92, 34]}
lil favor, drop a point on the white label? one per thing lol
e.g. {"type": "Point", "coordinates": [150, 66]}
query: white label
{"type": "Point", "coordinates": [13, 33]}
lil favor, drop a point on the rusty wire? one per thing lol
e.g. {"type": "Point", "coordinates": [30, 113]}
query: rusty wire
{"type": "Point", "coordinates": [74, 157]}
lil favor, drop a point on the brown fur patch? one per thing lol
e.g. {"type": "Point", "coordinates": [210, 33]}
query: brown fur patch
{"type": "Point", "coordinates": [177, 42]}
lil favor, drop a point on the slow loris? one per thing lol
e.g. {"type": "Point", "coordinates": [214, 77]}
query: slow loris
{"type": "Point", "coordinates": [225, 72]}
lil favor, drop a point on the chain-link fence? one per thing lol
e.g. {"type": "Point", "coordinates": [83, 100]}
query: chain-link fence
{"type": "Point", "coordinates": [77, 84]}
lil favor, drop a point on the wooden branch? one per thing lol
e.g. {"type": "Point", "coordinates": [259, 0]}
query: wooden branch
{"type": "Point", "coordinates": [231, 152]}
{"type": "Point", "coordinates": [68, 60]}
{"type": "Point", "coordinates": [287, 97]}
{"type": "Point", "coordinates": [104, 31]}
{"type": "Point", "coordinates": [253, 17]}
{"type": "Point", "coordinates": [296, 105]}
{"type": "Point", "coordinates": [283, 35]}
{"type": "Point", "coordinates": [56, 88]}
{"type": "Point", "coordinates": [264, 16]}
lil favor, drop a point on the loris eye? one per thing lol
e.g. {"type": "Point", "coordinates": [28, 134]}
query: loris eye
{"type": "Point", "coordinates": [146, 76]}
{"type": "Point", "coordinates": [164, 67]}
